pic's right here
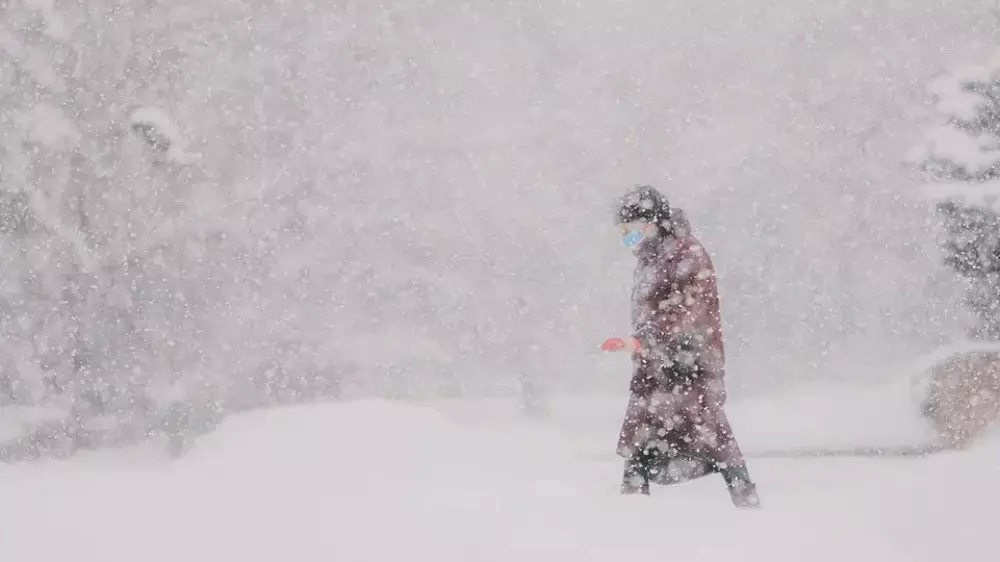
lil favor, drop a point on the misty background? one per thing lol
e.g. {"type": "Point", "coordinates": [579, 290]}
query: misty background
{"type": "Point", "coordinates": [414, 199]}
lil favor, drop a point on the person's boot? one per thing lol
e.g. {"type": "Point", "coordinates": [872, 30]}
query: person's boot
{"type": "Point", "coordinates": [742, 490]}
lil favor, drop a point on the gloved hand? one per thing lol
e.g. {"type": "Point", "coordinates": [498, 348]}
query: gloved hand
{"type": "Point", "coordinates": [620, 344]}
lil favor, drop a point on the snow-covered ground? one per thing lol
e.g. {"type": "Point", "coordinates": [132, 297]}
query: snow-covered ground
{"type": "Point", "coordinates": [473, 481]}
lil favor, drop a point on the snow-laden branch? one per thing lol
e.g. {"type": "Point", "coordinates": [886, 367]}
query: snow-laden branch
{"type": "Point", "coordinates": [161, 133]}
{"type": "Point", "coordinates": [965, 147]}
{"type": "Point", "coordinates": [970, 154]}
{"type": "Point", "coordinates": [44, 214]}
{"type": "Point", "coordinates": [983, 195]}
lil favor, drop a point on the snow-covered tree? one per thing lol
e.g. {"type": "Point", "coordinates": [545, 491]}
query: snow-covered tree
{"type": "Point", "coordinates": [962, 157]}
{"type": "Point", "coordinates": [111, 235]}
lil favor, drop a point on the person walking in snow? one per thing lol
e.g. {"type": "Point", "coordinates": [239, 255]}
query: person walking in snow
{"type": "Point", "coordinates": [675, 428]}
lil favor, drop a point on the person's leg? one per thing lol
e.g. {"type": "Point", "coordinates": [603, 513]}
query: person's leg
{"type": "Point", "coordinates": [742, 490]}
{"type": "Point", "coordinates": [638, 469]}
{"type": "Point", "coordinates": [730, 463]}
{"type": "Point", "coordinates": [651, 466]}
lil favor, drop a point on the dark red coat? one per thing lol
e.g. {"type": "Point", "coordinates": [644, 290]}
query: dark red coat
{"type": "Point", "coordinates": [677, 388]}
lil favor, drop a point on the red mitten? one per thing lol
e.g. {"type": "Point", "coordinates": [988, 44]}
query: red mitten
{"type": "Point", "coordinates": [619, 344]}
{"type": "Point", "coordinates": [613, 344]}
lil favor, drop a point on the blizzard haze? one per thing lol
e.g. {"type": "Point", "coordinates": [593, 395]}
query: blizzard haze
{"type": "Point", "coordinates": [280, 279]}
{"type": "Point", "coordinates": [416, 196]}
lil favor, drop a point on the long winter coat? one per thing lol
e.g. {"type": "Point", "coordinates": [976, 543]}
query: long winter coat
{"type": "Point", "coordinates": [677, 387]}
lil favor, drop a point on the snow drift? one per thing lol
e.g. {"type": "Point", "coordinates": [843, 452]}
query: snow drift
{"type": "Point", "coordinates": [465, 481]}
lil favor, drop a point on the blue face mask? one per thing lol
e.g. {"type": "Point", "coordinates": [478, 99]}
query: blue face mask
{"type": "Point", "coordinates": [632, 238]}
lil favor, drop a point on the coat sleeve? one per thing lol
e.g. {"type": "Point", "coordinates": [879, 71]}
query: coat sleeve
{"type": "Point", "coordinates": [680, 326]}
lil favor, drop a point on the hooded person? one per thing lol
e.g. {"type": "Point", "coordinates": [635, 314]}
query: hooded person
{"type": "Point", "coordinates": [675, 428]}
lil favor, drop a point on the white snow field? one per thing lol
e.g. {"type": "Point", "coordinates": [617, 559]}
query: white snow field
{"type": "Point", "coordinates": [474, 481]}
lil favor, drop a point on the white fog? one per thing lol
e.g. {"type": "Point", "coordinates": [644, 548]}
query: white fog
{"type": "Point", "coordinates": [281, 279]}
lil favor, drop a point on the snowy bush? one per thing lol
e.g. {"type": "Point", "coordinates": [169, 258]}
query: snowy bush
{"type": "Point", "coordinates": [961, 157]}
